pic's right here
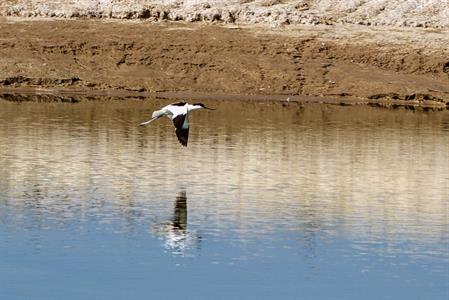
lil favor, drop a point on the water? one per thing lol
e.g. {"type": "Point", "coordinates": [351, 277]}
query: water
{"type": "Point", "coordinates": [267, 202]}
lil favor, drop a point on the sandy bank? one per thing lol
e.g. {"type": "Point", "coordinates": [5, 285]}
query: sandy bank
{"type": "Point", "coordinates": [340, 61]}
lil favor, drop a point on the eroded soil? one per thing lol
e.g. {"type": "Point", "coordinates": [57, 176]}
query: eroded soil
{"type": "Point", "coordinates": [348, 62]}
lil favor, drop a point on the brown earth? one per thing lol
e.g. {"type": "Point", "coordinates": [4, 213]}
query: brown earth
{"type": "Point", "coordinates": [344, 62]}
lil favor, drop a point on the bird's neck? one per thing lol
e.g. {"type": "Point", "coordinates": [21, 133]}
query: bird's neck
{"type": "Point", "coordinates": [191, 107]}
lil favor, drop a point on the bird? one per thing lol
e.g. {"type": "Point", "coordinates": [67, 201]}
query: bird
{"type": "Point", "coordinates": [179, 114]}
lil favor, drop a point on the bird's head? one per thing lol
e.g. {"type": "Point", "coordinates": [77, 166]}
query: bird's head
{"type": "Point", "coordinates": [200, 106]}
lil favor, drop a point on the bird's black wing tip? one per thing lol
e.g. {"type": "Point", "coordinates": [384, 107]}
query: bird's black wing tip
{"type": "Point", "coordinates": [183, 135]}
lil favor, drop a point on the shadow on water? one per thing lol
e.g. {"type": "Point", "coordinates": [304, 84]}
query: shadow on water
{"type": "Point", "coordinates": [175, 234]}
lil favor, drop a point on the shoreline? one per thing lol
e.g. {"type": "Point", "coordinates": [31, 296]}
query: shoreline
{"type": "Point", "coordinates": [73, 96]}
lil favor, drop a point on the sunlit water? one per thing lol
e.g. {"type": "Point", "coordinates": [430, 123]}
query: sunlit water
{"type": "Point", "coordinates": [266, 202]}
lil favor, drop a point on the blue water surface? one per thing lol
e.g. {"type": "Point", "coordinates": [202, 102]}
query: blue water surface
{"type": "Point", "coordinates": [317, 202]}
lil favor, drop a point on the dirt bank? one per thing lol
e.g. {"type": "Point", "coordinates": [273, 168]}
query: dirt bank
{"type": "Point", "coordinates": [344, 61]}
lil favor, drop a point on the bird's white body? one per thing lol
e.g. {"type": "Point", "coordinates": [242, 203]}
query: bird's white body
{"type": "Point", "coordinates": [179, 114]}
{"type": "Point", "coordinates": [172, 110]}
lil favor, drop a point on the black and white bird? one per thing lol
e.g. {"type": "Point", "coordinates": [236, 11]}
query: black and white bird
{"type": "Point", "coordinates": [179, 114]}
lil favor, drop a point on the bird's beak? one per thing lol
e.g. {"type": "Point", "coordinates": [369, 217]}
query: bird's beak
{"type": "Point", "coordinates": [209, 108]}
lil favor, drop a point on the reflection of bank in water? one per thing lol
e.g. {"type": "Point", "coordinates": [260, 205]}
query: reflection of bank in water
{"type": "Point", "coordinates": [177, 238]}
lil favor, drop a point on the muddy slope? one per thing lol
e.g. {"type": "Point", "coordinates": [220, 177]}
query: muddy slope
{"type": "Point", "coordinates": [343, 61]}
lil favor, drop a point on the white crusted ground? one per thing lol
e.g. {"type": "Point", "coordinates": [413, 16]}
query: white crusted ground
{"type": "Point", "coordinates": [420, 13]}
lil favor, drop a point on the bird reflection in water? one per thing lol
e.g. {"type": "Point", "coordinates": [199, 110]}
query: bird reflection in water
{"type": "Point", "coordinates": [177, 238]}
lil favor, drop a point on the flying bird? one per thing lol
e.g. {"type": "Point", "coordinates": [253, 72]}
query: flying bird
{"type": "Point", "coordinates": [179, 114]}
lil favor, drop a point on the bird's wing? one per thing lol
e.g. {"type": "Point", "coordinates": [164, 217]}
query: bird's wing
{"type": "Point", "coordinates": [181, 123]}
{"type": "Point", "coordinates": [178, 104]}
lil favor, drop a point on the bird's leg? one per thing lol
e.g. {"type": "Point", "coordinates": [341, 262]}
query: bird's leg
{"type": "Point", "coordinates": [149, 121]}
